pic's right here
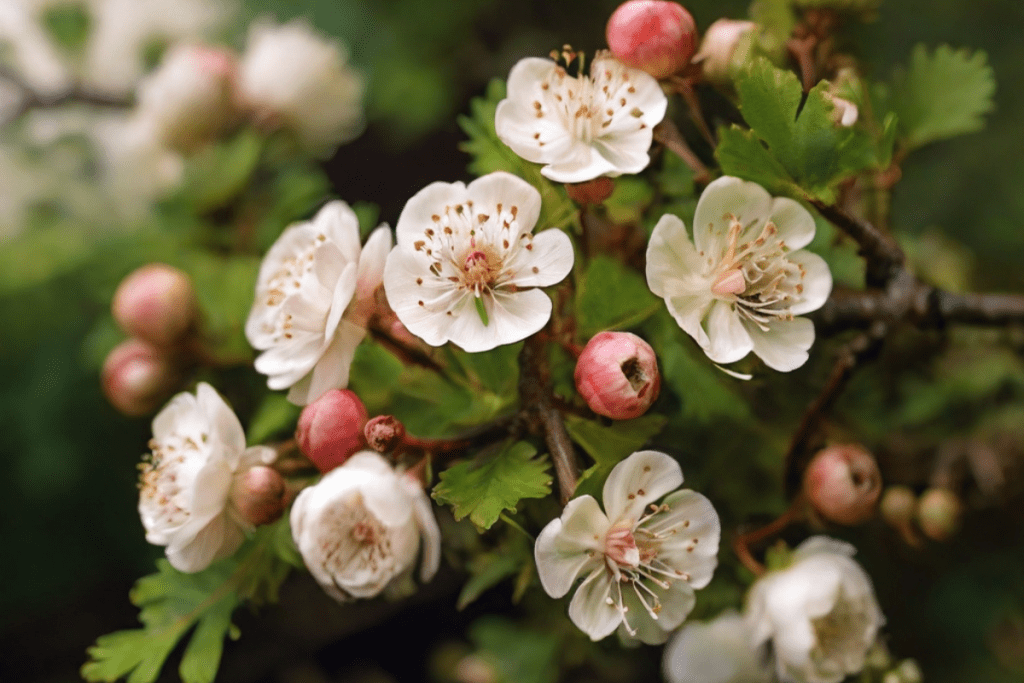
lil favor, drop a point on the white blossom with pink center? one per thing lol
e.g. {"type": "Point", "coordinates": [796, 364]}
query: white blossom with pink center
{"type": "Point", "coordinates": [467, 265]}
{"type": "Point", "coordinates": [361, 527]}
{"type": "Point", "coordinates": [742, 282]}
{"type": "Point", "coordinates": [198, 452]}
{"type": "Point", "coordinates": [580, 127]}
{"type": "Point", "coordinates": [642, 560]}
{"type": "Point", "coordinates": [314, 298]}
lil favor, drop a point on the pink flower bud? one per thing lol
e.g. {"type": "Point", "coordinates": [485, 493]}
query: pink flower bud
{"type": "Point", "coordinates": [726, 45]}
{"type": "Point", "coordinates": [137, 378]}
{"type": "Point", "coordinates": [938, 513]}
{"type": "Point", "coordinates": [259, 495]}
{"type": "Point", "coordinates": [653, 35]}
{"type": "Point", "coordinates": [617, 375]}
{"type": "Point", "coordinates": [155, 303]}
{"type": "Point", "coordinates": [591, 192]}
{"type": "Point", "coordinates": [384, 432]}
{"type": "Point", "coordinates": [843, 483]}
{"type": "Point", "coordinates": [331, 428]}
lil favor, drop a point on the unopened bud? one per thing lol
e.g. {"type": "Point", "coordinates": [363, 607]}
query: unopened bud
{"type": "Point", "coordinates": [137, 378]}
{"type": "Point", "coordinates": [898, 505]}
{"type": "Point", "coordinates": [155, 303]}
{"type": "Point", "coordinates": [845, 112]}
{"type": "Point", "coordinates": [592, 191]}
{"type": "Point", "coordinates": [727, 43]}
{"type": "Point", "coordinates": [843, 483]}
{"type": "Point", "coordinates": [331, 428]}
{"type": "Point", "coordinates": [383, 433]}
{"type": "Point", "coordinates": [938, 513]}
{"type": "Point", "coordinates": [653, 35]}
{"type": "Point", "coordinates": [259, 495]}
{"type": "Point", "coordinates": [617, 375]}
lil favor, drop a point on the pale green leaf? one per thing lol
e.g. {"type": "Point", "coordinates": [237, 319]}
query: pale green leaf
{"type": "Point", "coordinates": [608, 445]}
{"type": "Point", "coordinates": [612, 296]}
{"type": "Point", "coordinates": [516, 654]}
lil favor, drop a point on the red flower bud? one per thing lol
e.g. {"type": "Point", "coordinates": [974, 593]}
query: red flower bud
{"type": "Point", "coordinates": [383, 433]}
{"type": "Point", "coordinates": [259, 495]}
{"type": "Point", "coordinates": [156, 303]}
{"type": "Point", "coordinates": [938, 513]}
{"type": "Point", "coordinates": [617, 375]}
{"type": "Point", "coordinates": [843, 484]}
{"type": "Point", "coordinates": [137, 378]}
{"type": "Point", "coordinates": [591, 192]}
{"type": "Point", "coordinates": [331, 428]}
{"type": "Point", "coordinates": [653, 35]}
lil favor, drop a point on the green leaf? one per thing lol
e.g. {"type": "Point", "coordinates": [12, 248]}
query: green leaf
{"type": "Point", "coordinates": [741, 153]}
{"type": "Point", "coordinates": [806, 141]}
{"type": "Point", "coordinates": [609, 445]}
{"type": "Point", "coordinates": [171, 603]}
{"type": "Point", "coordinates": [629, 199]}
{"type": "Point", "coordinates": [943, 94]}
{"type": "Point", "coordinates": [612, 296]}
{"type": "Point", "coordinates": [225, 288]}
{"type": "Point", "coordinates": [482, 491]}
{"type": "Point", "coordinates": [776, 21]}
{"type": "Point", "coordinates": [219, 173]}
{"type": "Point", "coordinates": [517, 655]}
{"type": "Point", "coordinates": [69, 25]}
{"type": "Point", "coordinates": [488, 570]}
{"type": "Point", "coordinates": [274, 416]}
{"type": "Point", "coordinates": [495, 371]}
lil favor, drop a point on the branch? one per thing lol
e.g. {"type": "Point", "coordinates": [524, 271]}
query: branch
{"type": "Point", "coordinates": [884, 257]}
{"type": "Point", "coordinates": [31, 99]}
{"type": "Point", "coordinates": [668, 135]}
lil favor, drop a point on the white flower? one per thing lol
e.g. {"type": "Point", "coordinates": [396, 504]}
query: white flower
{"type": "Point", "coordinates": [314, 296]}
{"type": "Point", "coordinates": [189, 97]}
{"type": "Point", "coordinates": [717, 651]}
{"type": "Point", "coordinates": [198, 452]}
{"type": "Point", "coordinates": [641, 564]}
{"type": "Point", "coordinates": [738, 287]}
{"type": "Point", "coordinates": [466, 263]}
{"type": "Point", "coordinates": [820, 613]}
{"type": "Point", "coordinates": [292, 75]}
{"type": "Point", "coordinates": [360, 527]}
{"type": "Point", "coordinates": [580, 127]}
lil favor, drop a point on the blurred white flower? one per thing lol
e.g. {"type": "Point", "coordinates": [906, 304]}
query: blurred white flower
{"type": "Point", "coordinates": [820, 613]}
{"type": "Point", "coordinates": [137, 168]}
{"type": "Point", "coordinates": [185, 485]}
{"type": "Point", "coordinates": [292, 76]}
{"type": "Point", "coordinates": [467, 265]}
{"type": "Point", "coordinates": [580, 127]}
{"type": "Point", "coordinates": [314, 297]}
{"type": "Point", "coordinates": [740, 284]}
{"type": "Point", "coordinates": [360, 528]}
{"type": "Point", "coordinates": [716, 651]}
{"type": "Point", "coordinates": [33, 54]}
{"type": "Point", "coordinates": [641, 564]}
{"type": "Point", "coordinates": [189, 98]}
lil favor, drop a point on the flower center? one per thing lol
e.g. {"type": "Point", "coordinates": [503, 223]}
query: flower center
{"type": "Point", "coordinates": [481, 269]}
{"type": "Point", "coordinates": [162, 479]}
{"type": "Point", "coordinates": [840, 631]}
{"type": "Point", "coordinates": [620, 546]}
{"type": "Point", "coordinates": [755, 274]}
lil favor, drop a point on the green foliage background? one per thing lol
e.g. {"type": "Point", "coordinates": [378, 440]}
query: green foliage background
{"type": "Point", "coordinates": [67, 460]}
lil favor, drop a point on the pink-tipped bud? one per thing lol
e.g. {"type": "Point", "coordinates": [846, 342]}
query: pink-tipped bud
{"type": "Point", "coordinates": [592, 191]}
{"type": "Point", "coordinates": [617, 375]}
{"type": "Point", "coordinates": [653, 35]}
{"type": "Point", "coordinates": [727, 45]}
{"type": "Point", "coordinates": [331, 428]}
{"type": "Point", "coordinates": [843, 484]}
{"type": "Point", "coordinates": [137, 378]}
{"type": "Point", "coordinates": [938, 513]}
{"type": "Point", "coordinates": [259, 495]}
{"type": "Point", "coordinates": [383, 433]}
{"type": "Point", "coordinates": [155, 303]}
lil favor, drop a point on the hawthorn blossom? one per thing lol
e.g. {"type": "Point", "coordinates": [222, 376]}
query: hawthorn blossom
{"type": "Point", "coordinates": [292, 76]}
{"type": "Point", "coordinates": [314, 298]}
{"type": "Point", "coordinates": [742, 282]}
{"type": "Point", "coordinates": [185, 484]}
{"type": "Point", "coordinates": [580, 127]}
{"type": "Point", "coordinates": [642, 561]}
{"type": "Point", "coordinates": [716, 651]}
{"type": "Point", "coordinates": [467, 265]}
{"type": "Point", "coordinates": [360, 528]}
{"type": "Point", "coordinates": [820, 613]}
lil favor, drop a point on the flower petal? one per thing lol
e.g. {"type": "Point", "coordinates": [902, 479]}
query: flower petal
{"type": "Point", "coordinates": [416, 214]}
{"type": "Point", "coordinates": [511, 317]}
{"type": "Point", "coordinates": [215, 541]}
{"type": "Point", "coordinates": [590, 609]}
{"type": "Point", "coordinates": [549, 261]}
{"type": "Point", "coordinates": [676, 604]}
{"type": "Point", "coordinates": [640, 479]}
{"type": "Point", "coordinates": [429, 530]}
{"type": "Point", "coordinates": [673, 265]}
{"type": "Point", "coordinates": [728, 338]}
{"type": "Point", "coordinates": [723, 199]}
{"type": "Point", "coordinates": [332, 370]}
{"type": "Point", "coordinates": [510, 191]}
{"type": "Point", "coordinates": [371, 261]}
{"type": "Point", "coordinates": [817, 282]}
{"type": "Point", "coordinates": [223, 422]}
{"type": "Point", "coordinates": [784, 346]}
{"type": "Point", "coordinates": [694, 549]}
{"type": "Point", "coordinates": [568, 543]}
{"type": "Point", "coordinates": [794, 223]}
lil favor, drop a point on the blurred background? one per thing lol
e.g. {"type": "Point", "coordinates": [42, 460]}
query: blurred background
{"type": "Point", "coordinates": [72, 227]}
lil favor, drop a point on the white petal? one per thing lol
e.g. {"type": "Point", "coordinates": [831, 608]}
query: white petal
{"type": "Point", "coordinates": [217, 540]}
{"type": "Point", "coordinates": [824, 544]}
{"type": "Point", "coordinates": [580, 164]}
{"type": "Point", "coordinates": [551, 256]}
{"type": "Point", "coordinates": [589, 608]}
{"type": "Point", "coordinates": [701, 524]}
{"type": "Point", "coordinates": [794, 223]}
{"type": "Point", "coordinates": [509, 190]}
{"type": "Point", "coordinates": [518, 127]}
{"type": "Point", "coordinates": [223, 422]}
{"type": "Point", "coordinates": [676, 603]}
{"type": "Point", "coordinates": [372, 260]}
{"type": "Point", "coordinates": [627, 152]}
{"type": "Point", "coordinates": [332, 370]}
{"type": "Point", "coordinates": [401, 271]}
{"type": "Point", "coordinates": [784, 346]}
{"type": "Point", "coordinates": [415, 216]}
{"type": "Point", "coordinates": [525, 78]}
{"type": "Point", "coordinates": [817, 282]}
{"type": "Point", "coordinates": [640, 479]}
{"type": "Point", "coordinates": [673, 266]}
{"type": "Point", "coordinates": [565, 546]}
{"type": "Point", "coordinates": [429, 530]}
{"type": "Point", "coordinates": [511, 317]}
{"type": "Point", "coordinates": [718, 651]}
{"type": "Point", "coordinates": [728, 338]}
{"type": "Point", "coordinates": [724, 198]}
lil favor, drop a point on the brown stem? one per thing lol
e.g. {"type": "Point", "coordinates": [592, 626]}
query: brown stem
{"type": "Point", "coordinates": [802, 50]}
{"type": "Point", "coordinates": [884, 256]}
{"type": "Point", "coordinates": [684, 86]}
{"type": "Point", "coordinates": [742, 542]}
{"type": "Point", "coordinates": [668, 135]}
{"type": "Point", "coordinates": [30, 99]}
{"type": "Point", "coordinates": [923, 305]}
{"type": "Point", "coordinates": [405, 352]}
